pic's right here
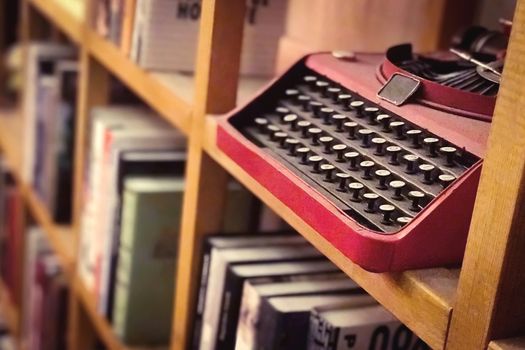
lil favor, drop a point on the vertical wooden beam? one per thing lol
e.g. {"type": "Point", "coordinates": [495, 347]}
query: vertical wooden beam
{"type": "Point", "coordinates": [490, 300]}
{"type": "Point", "coordinates": [217, 72]}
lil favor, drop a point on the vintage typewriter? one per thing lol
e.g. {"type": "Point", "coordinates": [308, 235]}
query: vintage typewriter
{"type": "Point", "coordinates": [381, 154]}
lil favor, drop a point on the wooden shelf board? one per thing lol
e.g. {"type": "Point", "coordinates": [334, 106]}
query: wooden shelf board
{"type": "Point", "coordinates": [8, 310]}
{"type": "Point", "coordinates": [67, 15]}
{"type": "Point", "coordinates": [161, 94]}
{"type": "Point", "coordinates": [60, 237]}
{"type": "Point", "coordinates": [508, 344]}
{"type": "Point", "coordinates": [421, 299]}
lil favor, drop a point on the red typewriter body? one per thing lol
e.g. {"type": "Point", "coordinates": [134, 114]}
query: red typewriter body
{"type": "Point", "coordinates": [433, 235]}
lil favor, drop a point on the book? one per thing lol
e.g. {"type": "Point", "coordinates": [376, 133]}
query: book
{"type": "Point", "coordinates": [284, 321]}
{"type": "Point", "coordinates": [165, 35]}
{"type": "Point", "coordinates": [254, 291]}
{"type": "Point", "coordinates": [127, 26]}
{"type": "Point", "coordinates": [143, 306]}
{"type": "Point", "coordinates": [231, 241]}
{"type": "Point", "coordinates": [220, 260]}
{"type": "Point", "coordinates": [261, 273]}
{"type": "Point", "coordinates": [339, 327]}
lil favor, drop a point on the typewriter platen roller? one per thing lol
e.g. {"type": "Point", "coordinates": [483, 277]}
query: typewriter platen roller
{"type": "Point", "coordinates": [391, 187]}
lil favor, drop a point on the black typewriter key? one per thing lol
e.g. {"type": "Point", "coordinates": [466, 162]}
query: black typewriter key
{"type": "Point", "coordinates": [352, 157]}
{"type": "Point", "coordinates": [415, 197]}
{"type": "Point", "coordinates": [338, 120]}
{"type": "Point", "coordinates": [431, 143]}
{"type": "Point", "coordinates": [411, 161]}
{"type": "Point", "coordinates": [310, 79]}
{"type": "Point", "coordinates": [382, 175]}
{"type": "Point", "coordinates": [397, 186]}
{"type": "Point", "coordinates": [450, 153]}
{"type": "Point", "coordinates": [343, 179]}
{"type": "Point", "coordinates": [344, 100]}
{"type": "Point", "coordinates": [427, 170]}
{"type": "Point", "coordinates": [403, 220]}
{"type": "Point", "coordinates": [303, 152]}
{"type": "Point", "coordinates": [398, 127]}
{"type": "Point", "coordinates": [261, 124]}
{"type": "Point", "coordinates": [367, 166]}
{"type": "Point", "coordinates": [326, 141]}
{"type": "Point", "coordinates": [371, 114]}
{"type": "Point", "coordinates": [355, 189]}
{"type": "Point", "coordinates": [333, 93]}
{"type": "Point", "coordinates": [304, 125]}
{"type": "Point", "coordinates": [292, 120]}
{"type": "Point", "coordinates": [365, 137]}
{"type": "Point", "coordinates": [340, 149]}
{"type": "Point", "coordinates": [446, 179]}
{"type": "Point", "coordinates": [282, 111]}
{"type": "Point", "coordinates": [328, 170]}
{"type": "Point", "coordinates": [371, 200]}
{"type": "Point", "coordinates": [393, 152]}
{"type": "Point", "coordinates": [304, 101]}
{"type": "Point", "coordinates": [379, 144]}
{"type": "Point", "coordinates": [414, 135]}
{"type": "Point", "coordinates": [387, 210]}
{"type": "Point", "coordinates": [272, 129]}
{"type": "Point", "coordinates": [315, 133]}
{"type": "Point", "coordinates": [292, 93]}
{"type": "Point", "coordinates": [384, 120]}
{"type": "Point", "coordinates": [291, 145]}
{"type": "Point", "coordinates": [350, 127]}
{"type": "Point", "coordinates": [357, 106]}
{"type": "Point", "coordinates": [321, 87]}
{"type": "Point", "coordinates": [280, 137]}
{"type": "Point", "coordinates": [326, 114]}
{"type": "Point", "coordinates": [315, 162]}
{"type": "Point", "coordinates": [315, 106]}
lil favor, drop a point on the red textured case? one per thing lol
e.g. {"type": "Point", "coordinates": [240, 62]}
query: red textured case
{"type": "Point", "coordinates": [435, 237]}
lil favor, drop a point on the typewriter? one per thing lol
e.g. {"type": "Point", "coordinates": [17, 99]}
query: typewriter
{"type": "Point", "coordinates": [380, 154]}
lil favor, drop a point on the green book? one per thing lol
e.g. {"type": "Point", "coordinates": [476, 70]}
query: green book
{"type": "Point", "coordinates": [144, 290]}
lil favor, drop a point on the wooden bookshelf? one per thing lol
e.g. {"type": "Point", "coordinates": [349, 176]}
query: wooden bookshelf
{"type": "Point", "coordinates": [426, 300]}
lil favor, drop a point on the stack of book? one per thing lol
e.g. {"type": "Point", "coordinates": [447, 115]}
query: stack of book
{"type": "Point", "coordinates": [162, 34]}
{"type": "Point", "coordinates": [49, 110]}
{"type": "Point", "coordinates": [276, 291]}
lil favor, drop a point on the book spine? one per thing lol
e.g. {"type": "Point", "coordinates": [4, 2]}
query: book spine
{"type": "Point", "coordinates": [230, 306]}
{"type": "Point", "coordinates": [270, 321]}
{"type": "Point", "coordinates": [201, 298]}
{"type": "Point", "coordinates": [321, 334]}
{"type": "Point", "coordinates": [127, 26]}
{"type": "Point", "coordinates": [137, 30]}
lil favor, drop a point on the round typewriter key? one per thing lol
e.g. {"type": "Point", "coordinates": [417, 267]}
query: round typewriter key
{"type": "Point", "coordinates": [398, 127]}
{"type": "Point", "coordinates": [315, 133]}
{"type": "Point", "coordinates": [326, 141]}
{"type": "Point", "coordinates": [343, 179]}
{"type": "Point", "coordinates": [365, 137]}
{"type": "Point", "coordinates": [350, 128]}
{"type": "Point", "coordinates": [371, 113]}
{"type": "Point", "coordinates": [393, 151]}
{"type": "Point", "coordinates": [344, 100]}
{"type": "Point", "coordinates": [310, 79]}
{"type": "Point", "coordinates": [315, 161]}
{"type": "Point", "coordinates": [411, 161]}
{"type": "Point", "coordinates": [321, 86]}
{"type": "Point", "coordinates": [304, 125]}
{"type": "Point", "coordinates": [315, 106]}
{"type": "Point", "coordinates": [415, 197]}
{"type": "Point", "coordinates": [355, 188]}
{"type": "Point", "coordinates": [384, 120]}
{"type": "Point", "coordinates": [303, 153]}
{"type": "Point", "coordinates": [446, 179]}
{"type": "Point", "coordinates": [431, 143]}
{"type": "Point", "coordinates": [371, 199]}
{"type": "Point", "coordinates": [272, 129]}
{"type": "Point", "coordinates": [352, 158]}
{"type": "Point", "coordinates": [338, 121]}
{"type": "Point", "coordinates": [261, 124]}
{"type": "Point", "coordinates": [304, 101]}
{"type": "Point", "coordinates": [326, 114]}
{"type": "Point", "coordinates": [414, 134]}
{"type": "Point", "coordinates": [340, 149]}
{"type": "Point", "coordinates": [382, 175]}
{"type": "Point", "coordinates": [291, 92]}
{"type": "Point", "coordinates": [292, 120]}
{"type": "Point", "coordinates": [379, 143]}
{"type": "Point", "coordinates": [367, 166]}
{"type": "Point", "coordinates": [291, 144]}
{"type": "Point", "coordinates": [427, 170]}
{"type": "Point", "coordinates": [403, 220]}
{"type": "Point", "coordinates": [450, 153]}
{"type": "Point", "coordinates": [398, 186]}
{"type": "Point", "coordinates": [328, 170]}
{"type": "Point", "coordinates": [387, 210]}
{"type": "Point", "coordinates": [280, 137]}
{"type": "Point", "coordinates": [357, 106]}
{"type": "Point", "coordinates": [282, 111]}
{"type": "Point", "coordinates": [333, 92]}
